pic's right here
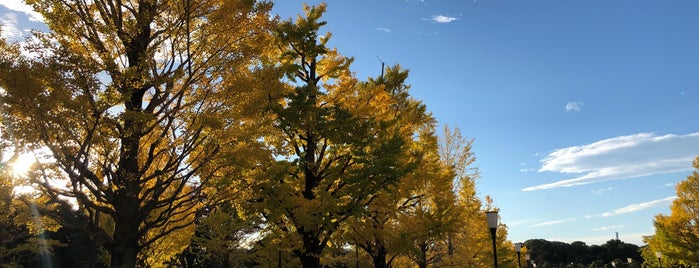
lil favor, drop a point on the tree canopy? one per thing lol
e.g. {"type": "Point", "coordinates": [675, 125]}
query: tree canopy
{"type": "Point", "coordinates": [210, 133]}
{"type": "Point", "coordinates": [677, 235]}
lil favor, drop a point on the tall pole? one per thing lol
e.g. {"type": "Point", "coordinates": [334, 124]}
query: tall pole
{"type": "Point", "coordinates": [495, 249]}
{"type": "Point", "coordinates": [492, 217]}
{"type": "Point", "coordinates": [528, 257]}
{"type": "Point", "coordinates": [518, 249]}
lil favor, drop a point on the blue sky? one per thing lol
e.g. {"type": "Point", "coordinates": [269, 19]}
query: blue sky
{"type": "Point", "coordinates": [583, 112]}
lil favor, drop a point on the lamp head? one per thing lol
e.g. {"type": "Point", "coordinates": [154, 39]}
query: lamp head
{"type": "Point", "coordinates": [492, 217]}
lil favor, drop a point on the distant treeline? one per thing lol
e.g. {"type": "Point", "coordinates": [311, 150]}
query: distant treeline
{"type": "Point", "coordinates": [559, 254]}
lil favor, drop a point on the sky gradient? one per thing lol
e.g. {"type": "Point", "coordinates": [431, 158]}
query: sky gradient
{"type": "Point", "coordinates": [583, 112]}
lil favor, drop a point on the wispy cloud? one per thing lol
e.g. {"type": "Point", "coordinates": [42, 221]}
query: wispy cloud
{"type": "Point", "coordinates": [607, 228]}
{"type": "Point", "coordinates": [574, 106]}
{"type": "Point", "coordinates": [601, 191]}
{"type": "Point", "coordinates": [554, 222]}
{"type": "Point", "coordinates": [442, 19]}
{"type": "Point", "coordinates": [620, 157]}
{"type": "Point", "coordinates": [20, 6]}
{"type": "Point", "coordinates": [524, 169]}
{"type": "Point", "coordinates": [623, 210]}
{"type": "Point", "coordinates": [640, 206]}
{"type": "Point", "coordinates": [382, 29]}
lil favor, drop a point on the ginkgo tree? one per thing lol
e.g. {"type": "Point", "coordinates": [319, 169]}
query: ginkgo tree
{"type": "Point", "coordinates": [127, 97]}
{"type": "Point", "coordinates": [376, 230]}
{"type": "Point", "coordinates": [677, 235]}
{"type": "Point", "coordinates": [339, 141]}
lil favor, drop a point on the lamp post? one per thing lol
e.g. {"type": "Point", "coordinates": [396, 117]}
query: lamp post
{"type": "Point", "coordinates": [659, 255]}
{"type": "Point", "coordinates": [518, 249]}
{"type": "Point", "coordinates": [528, 257]}
{"type": "Point", "coordinates": [492, 217]}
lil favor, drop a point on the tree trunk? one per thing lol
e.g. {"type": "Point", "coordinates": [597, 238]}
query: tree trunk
{"type": "Point", "coordinates": [310, 253]}
{"type": "Point", "coordinates": [380, 261]}
{"type": "Point", "coordinates": [310, 261]}
{"type": "Point", "coordinates": [379, 257]}
{"type": "Point", "coordinates": [125, 246]}
{"type": "Point", "coordinates": [422, 260]}
{"type": "Point", "coordinates": [123, 256]}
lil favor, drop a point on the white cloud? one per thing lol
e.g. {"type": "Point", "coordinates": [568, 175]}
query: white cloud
{"type": "Point", "coordinates": [622, 157]}
{"type": "Point", "coordinates": [554, 222]}
{"type": "Point", "coordinates": [606, 228]}
{"type": "Point", "coordinates": [20, 6]}
{"type": "Point", "coordinates": [600, 191]}
{"type": "Point", "coordinates": [443, 19]}
{"type": "Point", "coordinates": [9, 26]}
{"type": "Point", "coordinates": [383, 29]}
{"type": "Point", "coordinates": [640, 206]}
{"type": "Point", "coordinates": [573, 106]}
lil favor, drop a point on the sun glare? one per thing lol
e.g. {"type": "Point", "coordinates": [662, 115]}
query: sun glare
{"type": "Point", "coordinates": [22, 164]}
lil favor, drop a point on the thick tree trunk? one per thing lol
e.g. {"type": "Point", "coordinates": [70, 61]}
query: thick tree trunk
{"type": "Point", "coordinates": [310, 261]}
{"type": "Point", "coordinates": [123, 255]}
{"type": "Point", "coordinates": [379, 256]}
{"type": "Point", "coordinates": [312, 248]}
{"type": "Point", "coordinates": [380, 261]}
{"type": "Point", "coordinates": [124, 250]}
{"type": "Point", "coordinates": [125, 244]}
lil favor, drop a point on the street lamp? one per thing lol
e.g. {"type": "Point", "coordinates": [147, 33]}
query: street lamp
{"type": "Point", "coordinates": [630, 260]}
{"type": "Point", "coordinates": [659, 255]}
{"type": "Point", "coordinates": [492, 217]}
{"type": "Point", "coordinates": [613, 264]}
{"type": "Point", "coordinates": [528, 257]}
{"type": "Point", "coordinates": [518, 249]}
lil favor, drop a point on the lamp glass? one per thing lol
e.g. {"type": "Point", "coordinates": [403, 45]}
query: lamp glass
{"type": "Point", "coordinates": [658, 254]}
{"type": "Point", "coordinates": [527, 256]}
{"type": "Point", "coordinates": [492, 217]}
{"type": "Point", "coordinates": [518, 247]}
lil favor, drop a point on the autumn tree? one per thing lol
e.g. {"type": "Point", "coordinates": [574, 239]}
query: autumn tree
{"type": "Point", "coordinates": [126, 96]}
{"type": "Point", "coordinates": [376, 230]}
{"type": "Point", "coordinates": [469, 245]}
{"type": "Point", "coordinates": [435, 214]}
{"type": "Point", "coordinates": [677, 235]}
{"type": "Point", "coordinates": [340, 141]}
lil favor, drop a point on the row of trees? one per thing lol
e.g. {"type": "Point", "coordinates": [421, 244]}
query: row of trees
{"type": "Point", "coordinates": [578, 254]}
{"type": "Point", "coordinates": [209, 133]}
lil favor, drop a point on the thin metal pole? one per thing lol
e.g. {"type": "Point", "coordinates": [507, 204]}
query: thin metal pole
{"type": "Point", "coordinates": [495, 250]}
